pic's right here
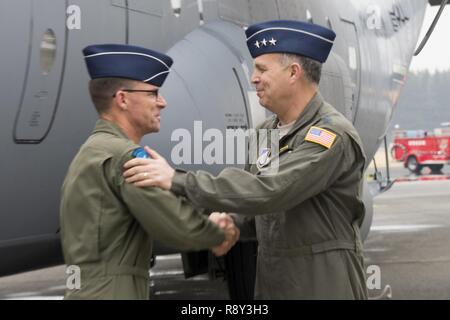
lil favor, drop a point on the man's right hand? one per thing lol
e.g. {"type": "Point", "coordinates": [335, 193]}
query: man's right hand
{"type": "Point", "coordinates": [226, 223]}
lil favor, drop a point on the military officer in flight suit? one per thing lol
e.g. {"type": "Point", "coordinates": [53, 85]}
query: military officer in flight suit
{"type": "Point", "coordinates": [107, 225]}
{"type": "Point", "coordinates": [309, 211]}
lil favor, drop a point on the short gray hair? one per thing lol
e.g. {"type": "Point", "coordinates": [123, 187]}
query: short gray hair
{"type": "Point", "coordinates": [103, 89]}
{"type": "Point", "coordinates": [311, 68]}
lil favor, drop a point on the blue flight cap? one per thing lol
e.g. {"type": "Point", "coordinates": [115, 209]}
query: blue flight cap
{"type": "Point", "coordinates": [288, 36]}
{"type": "Point", "coordinates": [126, 61]}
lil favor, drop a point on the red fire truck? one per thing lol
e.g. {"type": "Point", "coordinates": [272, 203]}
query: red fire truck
{"type": "Point", "coordinates": [420, 148]}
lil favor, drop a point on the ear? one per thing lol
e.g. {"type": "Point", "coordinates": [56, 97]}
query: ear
{"type": "Point", "coordinates": [121, 100]}
{"type": "Point", "coordinates": [296, 71]}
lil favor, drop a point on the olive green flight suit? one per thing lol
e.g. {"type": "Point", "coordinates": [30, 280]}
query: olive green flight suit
{"type": "Point", "coordinates": [308, 214]}
{"type": "Point", "coordinates": [108, 226]}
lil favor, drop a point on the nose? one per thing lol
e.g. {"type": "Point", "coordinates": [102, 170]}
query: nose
{"type": "Point", "coordinates": [255, 77]}
{"type": "Point", "coordinates": [161, 101]}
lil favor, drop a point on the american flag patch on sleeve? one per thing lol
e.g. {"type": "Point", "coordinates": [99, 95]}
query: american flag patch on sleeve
{"type": "Point", "coordinates": [321, 136]}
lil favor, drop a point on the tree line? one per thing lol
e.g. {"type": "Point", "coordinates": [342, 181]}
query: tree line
{"type": "Point", "coordinates": [424, 102]}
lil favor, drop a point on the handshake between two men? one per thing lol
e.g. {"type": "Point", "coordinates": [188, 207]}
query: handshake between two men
{"type": "Point", "coordinates": [156, 172]}
{"type": "Point", "coordinates": [225, 222]}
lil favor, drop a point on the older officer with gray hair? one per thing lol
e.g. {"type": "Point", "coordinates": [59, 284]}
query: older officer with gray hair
{"type": "Point", "coordinates": [309, 213]}
{"type": "Point", "coordinates": [107, 225]}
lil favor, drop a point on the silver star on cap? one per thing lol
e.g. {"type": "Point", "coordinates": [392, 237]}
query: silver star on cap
{"type": "Point", "coordinates": [264, 42]}
{"type": "Point", "coordinates": [257, 44]}
{"type": "Point", "coordinates": [273, 42]}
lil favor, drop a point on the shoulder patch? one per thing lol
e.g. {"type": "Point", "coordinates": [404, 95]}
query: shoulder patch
{"type": "Point", "coordinates": [140, 153]}
{"type": "Point", "coordinates": [321, 136]}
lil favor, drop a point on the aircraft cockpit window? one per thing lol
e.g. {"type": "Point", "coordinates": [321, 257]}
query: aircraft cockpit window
{"type": "Point", "coordinates": [309, 17]}
{"type": "Point", "coordinates": [48, 51]}
{"type": "Point", "coordinates": [176, 7]}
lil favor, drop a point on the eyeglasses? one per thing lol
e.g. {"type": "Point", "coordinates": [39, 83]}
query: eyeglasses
{"type": "Point", "coordinates": [154, 92]}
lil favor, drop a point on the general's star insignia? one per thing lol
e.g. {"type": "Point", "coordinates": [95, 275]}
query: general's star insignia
{"type": "Point", "coordinates": [273, 42]}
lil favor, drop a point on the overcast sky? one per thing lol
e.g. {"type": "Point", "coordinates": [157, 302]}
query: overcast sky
{"type": "Point", "coordinates": [436, 54]}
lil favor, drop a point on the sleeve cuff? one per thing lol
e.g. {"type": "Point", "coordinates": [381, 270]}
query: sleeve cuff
{"type": "Point", "coordinates": [179, 183]}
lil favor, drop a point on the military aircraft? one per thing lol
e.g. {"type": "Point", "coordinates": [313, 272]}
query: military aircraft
{"type": "Point", "coordinates": [46, 113]}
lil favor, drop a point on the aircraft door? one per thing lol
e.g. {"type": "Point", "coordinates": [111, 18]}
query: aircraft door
{"type": "Point", "coordinates": [353, 62]}
{"type": "Point", "coordinates": [45, 66]}
{"type": "Point", "coordinates": [14, 39]}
